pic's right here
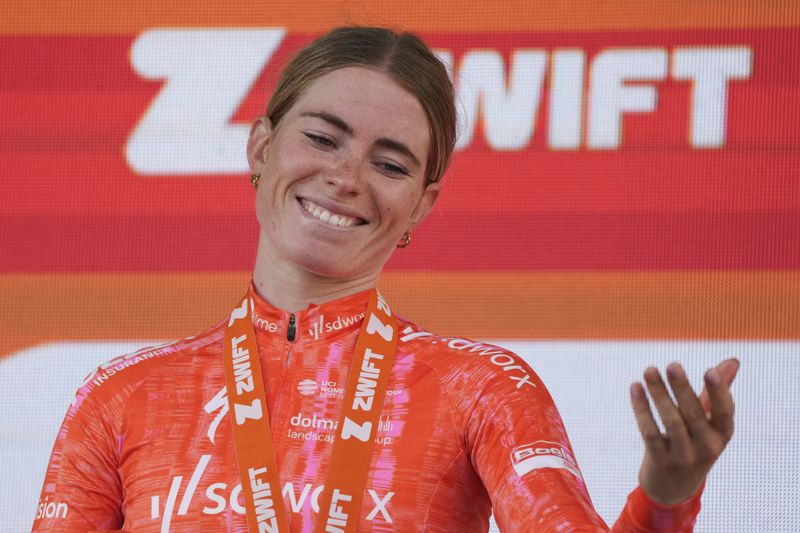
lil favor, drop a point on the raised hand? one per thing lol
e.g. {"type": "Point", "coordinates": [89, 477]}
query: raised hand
{"type": "Point", "coordinates": [675, 464]}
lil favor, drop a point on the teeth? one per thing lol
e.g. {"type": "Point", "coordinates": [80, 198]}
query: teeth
{"type": "Point", "coordinates": [326, 216]}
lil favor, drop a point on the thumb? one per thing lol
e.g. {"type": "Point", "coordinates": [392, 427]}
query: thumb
{"type": "Point", "coordinates": [727, 370]}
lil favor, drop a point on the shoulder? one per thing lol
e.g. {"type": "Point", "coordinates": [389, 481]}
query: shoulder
{"type": "Point", "coordinates": [117, 378]}
{"type": "Point", "coordinates": [457, 359]}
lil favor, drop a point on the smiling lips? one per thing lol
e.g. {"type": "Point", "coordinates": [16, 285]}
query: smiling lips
{"type": "Point", "coordinates": [335, 219]}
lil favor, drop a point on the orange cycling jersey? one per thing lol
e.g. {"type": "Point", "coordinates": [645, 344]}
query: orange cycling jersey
{"type": "Point", "coordinates": [467, 430]}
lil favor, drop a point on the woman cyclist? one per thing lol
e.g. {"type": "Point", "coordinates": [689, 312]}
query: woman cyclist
{"type": "Point", "coordinates": [313, 407]}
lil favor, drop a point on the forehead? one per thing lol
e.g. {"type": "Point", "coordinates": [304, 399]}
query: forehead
{"type": "Point", "coordinates": [371, 103]}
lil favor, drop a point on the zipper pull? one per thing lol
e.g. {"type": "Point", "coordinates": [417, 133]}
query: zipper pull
{"type": "Point", "coordinates": [292, 331]}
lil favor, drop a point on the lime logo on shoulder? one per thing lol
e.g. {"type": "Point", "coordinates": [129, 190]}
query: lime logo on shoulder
{"type": "Point", "coordinates": [543, 454]}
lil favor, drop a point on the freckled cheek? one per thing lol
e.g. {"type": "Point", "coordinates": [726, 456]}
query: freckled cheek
{"type": "Point", "coordinates": [289, 161]}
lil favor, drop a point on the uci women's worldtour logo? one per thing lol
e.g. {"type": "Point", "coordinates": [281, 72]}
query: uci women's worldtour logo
{"type": "Point", "coordinates": [331, 390]}
{"type": "Point", "coordinates": [321, 327]}
{"type": "Point", "coordinates": [307, 387]}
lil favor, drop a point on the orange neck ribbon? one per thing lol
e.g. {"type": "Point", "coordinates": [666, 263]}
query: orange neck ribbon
{"type": "Point", "coordinates": [367, 381]}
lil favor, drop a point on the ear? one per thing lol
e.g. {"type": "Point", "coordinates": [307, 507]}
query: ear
{"type": "Point", "coordinates": [429, 196]}
{"type": "Point", "coordinates": [257, 143]}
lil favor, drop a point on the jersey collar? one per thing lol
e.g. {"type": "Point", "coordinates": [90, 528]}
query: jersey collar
{"type": "Point", "coordinates": [317, 323]}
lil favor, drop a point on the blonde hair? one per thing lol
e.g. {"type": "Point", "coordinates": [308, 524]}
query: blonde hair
{"type": "Point", "coordinates": [403, 57]}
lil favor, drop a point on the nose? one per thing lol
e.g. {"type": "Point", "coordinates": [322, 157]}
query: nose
{"type": "Point", "coordinates": [345, 177]}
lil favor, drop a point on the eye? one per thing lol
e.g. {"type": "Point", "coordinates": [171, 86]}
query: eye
{"type": "Point", "coordinates": [391, 168]}
{"type": "Point", "coordinates": [320, 139]}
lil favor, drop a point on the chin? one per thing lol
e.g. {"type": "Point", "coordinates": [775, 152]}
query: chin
{"type": "Point", "coordinates": [328, 265]}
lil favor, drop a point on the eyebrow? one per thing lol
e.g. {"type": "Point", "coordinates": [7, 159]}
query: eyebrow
{"type": "Point", "coordinates": [340, 124]}
{"type": "Point", "coordinates": [398, 147]}
{"type": "Point", "coordinates": [333, 120]}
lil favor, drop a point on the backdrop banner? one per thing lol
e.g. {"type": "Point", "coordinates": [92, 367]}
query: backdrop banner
{"type": "Point", "coordinates": [625, 192]}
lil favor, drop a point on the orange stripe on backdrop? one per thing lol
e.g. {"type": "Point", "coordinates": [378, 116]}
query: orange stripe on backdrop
{"type": "Point", "coordinates": [38, 308]}
{"type": "Point", "coordinates": [133, 16]}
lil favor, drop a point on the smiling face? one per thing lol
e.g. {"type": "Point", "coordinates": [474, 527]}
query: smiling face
{"type": "Point", "coordinates": [342, 175]}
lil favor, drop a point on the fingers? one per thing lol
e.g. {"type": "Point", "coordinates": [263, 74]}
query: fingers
{"type": "Point", "coordinates": [674, 423]}
{"type": "Point", "coordinates": [688, 403]}
{"type": "Point", "coordinates": [721, 401]}
{"type": "Point", "coordinates": [651, 434]}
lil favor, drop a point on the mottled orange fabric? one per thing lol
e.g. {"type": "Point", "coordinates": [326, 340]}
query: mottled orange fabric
{"type": "Point", "coordinates": [467, 429]}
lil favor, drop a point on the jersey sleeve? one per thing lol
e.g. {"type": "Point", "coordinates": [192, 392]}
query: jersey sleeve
{"type": "Point", "coordinates": [520, 450]}
{"type": "Point", "coordinates": [82, 490]}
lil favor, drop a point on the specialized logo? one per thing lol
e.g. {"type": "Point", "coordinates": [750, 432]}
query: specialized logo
{"type": "Point", "coordinates": [543, 454]}
{"type": "Point", "coordinates": [321, 327]}
{"type": "Point", "coordinates": [516, 372]}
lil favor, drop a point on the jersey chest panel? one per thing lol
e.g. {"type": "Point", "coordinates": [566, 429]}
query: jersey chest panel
{"type": "Point", "coordinates": [178, 467]}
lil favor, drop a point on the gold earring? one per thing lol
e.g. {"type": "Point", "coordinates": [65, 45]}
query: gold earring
{"type": "Point", "coordinates": [406, 240]}
{"type": "Point", "coordinates": [254, 180]}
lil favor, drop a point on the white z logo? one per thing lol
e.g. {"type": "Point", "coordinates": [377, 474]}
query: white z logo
{"type": "Point", "coordinates": [243, 411]}
{"type": "Point", "coordinates": [354, 429]}
{"type": "Point", "coordinates": [186, 129]}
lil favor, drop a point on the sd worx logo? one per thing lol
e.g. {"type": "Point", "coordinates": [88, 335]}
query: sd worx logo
{"type": "Point", "coordinates": [321, 327]}
{"type": "Point", "coordinates": [220, 497]}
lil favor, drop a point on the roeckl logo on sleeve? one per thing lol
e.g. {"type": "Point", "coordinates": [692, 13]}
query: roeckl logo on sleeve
{"type": "Point", "coordinates": [543, 454]}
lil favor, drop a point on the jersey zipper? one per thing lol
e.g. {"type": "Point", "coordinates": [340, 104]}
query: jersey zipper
{"type": "Point", "coordinates": [291, 333]}
{"type": "Point", "coordinates": [292, 330]}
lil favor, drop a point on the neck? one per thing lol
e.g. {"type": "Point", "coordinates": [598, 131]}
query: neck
{"type": "Point", "coordinates": [289, 287]}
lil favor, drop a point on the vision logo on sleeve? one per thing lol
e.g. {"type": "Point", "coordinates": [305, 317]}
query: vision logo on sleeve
{"type": "Point", "coordinates": [543, 454]}
{"type": "Point", "coordinates": [48, 509]}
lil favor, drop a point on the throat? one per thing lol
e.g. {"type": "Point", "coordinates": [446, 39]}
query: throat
{"type": "Point", "coordinates": [293, 289]}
